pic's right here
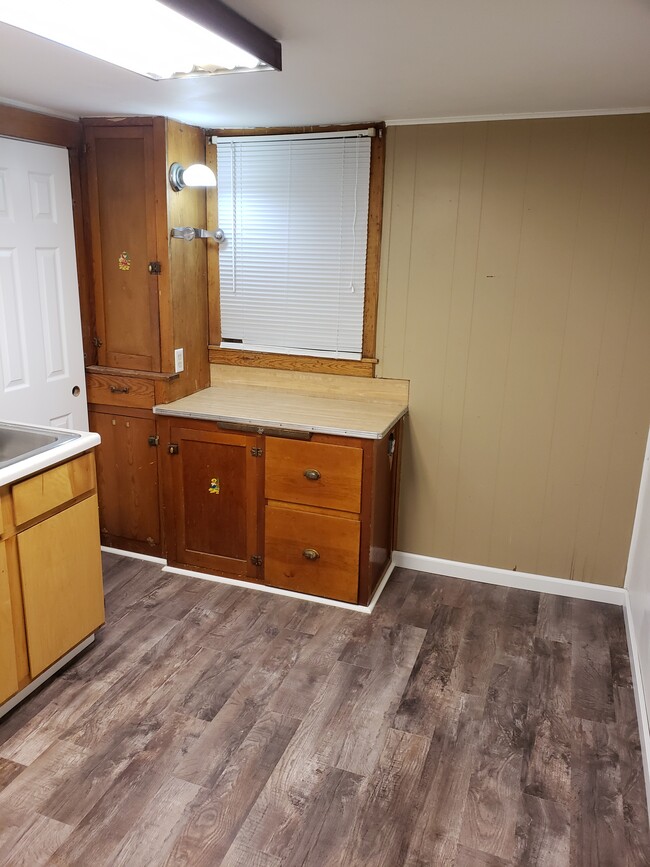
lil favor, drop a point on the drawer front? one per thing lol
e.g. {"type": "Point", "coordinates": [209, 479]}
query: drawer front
{"type": "Point", "coordinates": [53, 488]}
{"type": "Point", "coordinates": [120, 390]}
{"type": "Point", "coordinates": [312, 553]}
{"type": "Point", "coordinates": [314, 474]}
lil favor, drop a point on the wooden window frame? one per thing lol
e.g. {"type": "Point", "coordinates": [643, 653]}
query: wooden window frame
{"type": "Point", "coordinates": [303, 363]}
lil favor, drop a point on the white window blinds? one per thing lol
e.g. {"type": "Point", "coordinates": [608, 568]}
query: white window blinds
{"type": "Point", "coordinates": [294, 210]}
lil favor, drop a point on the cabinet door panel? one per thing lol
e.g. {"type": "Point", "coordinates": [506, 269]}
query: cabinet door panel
{"type": "Point", "coordinates": [123, 237]}
{"type": "Point", "coordinates": [312, 553]}
{"type": "Point", "coordinates": [8, 672]}
{"type": "Point", "coordinates": [127, 481]}
{"type": "Point", "coordinates": [61, 572]}
{"type": "Point", "coordinates": [215, 500]}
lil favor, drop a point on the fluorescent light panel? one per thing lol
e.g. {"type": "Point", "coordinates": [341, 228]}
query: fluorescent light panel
{"type": "Point", "coordinates": [144, 36]}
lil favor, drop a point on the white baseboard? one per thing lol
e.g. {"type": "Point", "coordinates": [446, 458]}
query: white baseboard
{"type": "Point", "coordinates": [508, 578]}
{"type": "Point", "coordinates": [278, 591]}
{"type": "Point", "coordinates": [639, 696]}
{"type": "Point", "coordinates": [16, 699]}
{"type": "Point", "coordinates": [135, 555]}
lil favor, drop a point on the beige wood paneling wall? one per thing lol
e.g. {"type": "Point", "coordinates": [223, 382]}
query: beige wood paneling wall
{"type": "Point", "coordinates": [515, 295]}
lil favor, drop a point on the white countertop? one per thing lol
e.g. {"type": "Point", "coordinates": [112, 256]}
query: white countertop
{"type": "Point", "coordinates": [55, 455]}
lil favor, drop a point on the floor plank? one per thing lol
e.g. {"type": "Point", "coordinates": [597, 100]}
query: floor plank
{"type": "Point", "coordinates": [459, 724]}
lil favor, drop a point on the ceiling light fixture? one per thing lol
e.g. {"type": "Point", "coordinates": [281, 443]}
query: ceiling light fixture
{"type": "Point", "coordinates": [166, 39]}
{"type": "Point", "coordinates": [196, 175]}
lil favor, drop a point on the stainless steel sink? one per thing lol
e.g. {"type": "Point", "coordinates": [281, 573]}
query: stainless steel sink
{"type": "Point", "coordinates": [18, 442]}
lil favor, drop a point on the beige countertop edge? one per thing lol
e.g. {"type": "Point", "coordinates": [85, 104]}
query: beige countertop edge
{"type": "Point", "coordinates": [261, 421]}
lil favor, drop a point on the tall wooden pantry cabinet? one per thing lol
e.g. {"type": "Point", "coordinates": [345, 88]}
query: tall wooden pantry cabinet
{"type": "Point", "coordinates": [149, 298]}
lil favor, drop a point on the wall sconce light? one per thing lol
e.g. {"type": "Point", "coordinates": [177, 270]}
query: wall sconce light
{"type": "Point", "coordinates": [195, 175]}
{"type": "Point", "coordinates": [188, 233]}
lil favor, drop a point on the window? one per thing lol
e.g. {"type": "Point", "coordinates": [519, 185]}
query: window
{"type": "Point", "coordinates": [293, 268]}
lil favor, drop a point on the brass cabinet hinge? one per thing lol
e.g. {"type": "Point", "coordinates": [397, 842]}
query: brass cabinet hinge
{"type": "Point", "coordinates": [96, 342]}
{"type": "Point", "coordinates": [155, 268]}
{"type": "Point", "coordinates": [154, 441]}
{"type": "Point", "coordinates": [256, 453]}
{"type": "Point", "coordinates": [256, 559]}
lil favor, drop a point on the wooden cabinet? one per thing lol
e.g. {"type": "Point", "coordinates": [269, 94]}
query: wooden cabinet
{"type": "Point", "coordinates": [8, 667]}
{"type": "Point", "coordinates": [212, 501]}
{"type": "Point", "coordinates": [149, 291]}
{"type": "Point", "coordinates": [149, 297]}
{"type": "Point", "coordinates": [122, 217]}
{"type": "Point", "coordinates": [311, 515]}
{"type": "Point", "coordinates": [60, 566]}
{"type": "Point", "coordinates": [127, 479]}
{"type": "Point", "coordinates": [51, 595]}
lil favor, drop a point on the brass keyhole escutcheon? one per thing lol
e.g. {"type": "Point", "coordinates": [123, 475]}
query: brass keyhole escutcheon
{"type": "Point", "coordinates": [214, 487]}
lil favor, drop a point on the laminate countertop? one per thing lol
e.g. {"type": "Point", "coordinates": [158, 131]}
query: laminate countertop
{"type": "Point", "coordinates": [286, 400]}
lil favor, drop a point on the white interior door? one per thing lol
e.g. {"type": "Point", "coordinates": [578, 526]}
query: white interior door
{"type": "Point", "coordinates": [41, 355]}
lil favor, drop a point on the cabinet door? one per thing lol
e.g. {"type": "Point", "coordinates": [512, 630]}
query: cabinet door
{"type": "Point", "coordinates": [127, 481]}
{"type": "Point", "coordinates": [121, 196]}
{"type": "Point", "coordinates": [214, 503]}
{"type": "Point", "coordinates": [8, 673]}
{"type": "Point", "coordinates": [61, 573]}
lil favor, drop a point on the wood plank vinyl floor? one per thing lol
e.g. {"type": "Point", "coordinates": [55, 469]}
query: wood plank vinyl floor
{"type": "Point", "coordinates": [459, 724]}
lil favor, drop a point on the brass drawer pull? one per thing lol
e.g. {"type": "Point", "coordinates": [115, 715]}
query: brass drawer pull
{"type": "Point", "coordinates": [117, 389]}
{"type": "Point", "coordinates": [310, 554]}
{"type": "Point", "coordinates": [312, 475]}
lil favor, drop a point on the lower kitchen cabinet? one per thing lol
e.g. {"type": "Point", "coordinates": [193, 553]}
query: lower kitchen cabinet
{"type": "Point", "coordinates": [309, 513]}
{"type": "Point", "coordinates": [127, 479]}
{"type": "Point", "coordinates": [60, 567]}
{"type": "Point", "coordinates": [212, 500]}
{"type": "Point", "coordinates": [8, 669]}
{"type": "Point", "coordinates": [51, 594]}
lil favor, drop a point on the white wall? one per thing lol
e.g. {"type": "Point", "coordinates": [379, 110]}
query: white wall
{"type": "Point", "coordinates": [637, 583]}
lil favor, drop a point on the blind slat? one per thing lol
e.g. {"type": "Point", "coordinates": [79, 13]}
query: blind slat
{"type": "Point", "coordinates": [292, 268]}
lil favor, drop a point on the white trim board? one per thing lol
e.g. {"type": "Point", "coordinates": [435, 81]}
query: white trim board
{"type": "Point", "coordinates": [134, 555]}
{"type": "Point", "coordinates": [509, 578]}
{"type": "Point", "coordinates": [523, 115]}
{"type": "Point", "coordinates": [639, 697]}
{"type": "Point", "coordinates": [278, 591]}
{"type": "Point", "coordinates": [249, 585]}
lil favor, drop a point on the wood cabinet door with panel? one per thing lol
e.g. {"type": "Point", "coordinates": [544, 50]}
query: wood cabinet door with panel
{"type": "Point", "coordinates": [127, 480]}
{"type": "Point", "coordinates": [122, 217]}
{"type": "Point", "coordinates": [61, 582]}
{"type": "Point", "coordinates": [8, 668]}
{"type": "Point", "coordinates": [212, 506]}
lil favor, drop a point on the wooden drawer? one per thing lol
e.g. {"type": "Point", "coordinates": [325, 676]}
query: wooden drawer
{"type": "Point", "coordinates": [53, 488]}
{"type": "Point", "coordinates": [337, 469]}
{"type": "Point", "coordinates": [290, 534]}
{"type": "Point", "coordinates": [120, 390]}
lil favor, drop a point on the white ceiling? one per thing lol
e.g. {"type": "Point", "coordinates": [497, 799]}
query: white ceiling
{"type": "Point", "coordinates": [350, 60]}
